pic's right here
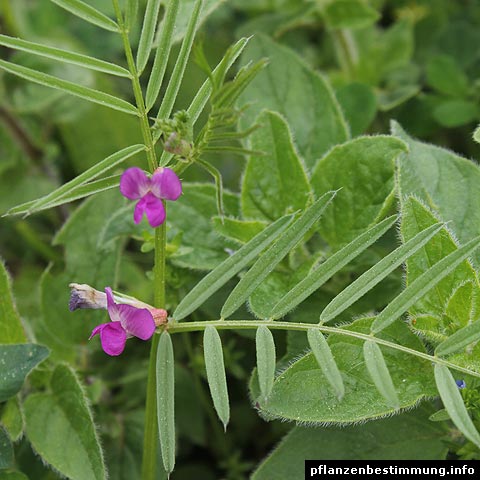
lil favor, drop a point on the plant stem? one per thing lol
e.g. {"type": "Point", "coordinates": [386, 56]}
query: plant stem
{"type": "Point", "coordinates": [177, 327]}
{"type": "Point", "coordinates": [150, 438]}
{"type": "Point", "coordinates": [137, 91]}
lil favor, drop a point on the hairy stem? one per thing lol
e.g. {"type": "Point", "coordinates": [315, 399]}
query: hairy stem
{"type": "Point", "coordinates": [177, 327]}
{"type": "Point", "coordinates": [150, 436]}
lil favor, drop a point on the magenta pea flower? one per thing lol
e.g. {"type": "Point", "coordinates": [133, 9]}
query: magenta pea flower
{"type": "Point", "coordinates": [126, 321]}
{"type": "Point", "coordinates": [163, 185]}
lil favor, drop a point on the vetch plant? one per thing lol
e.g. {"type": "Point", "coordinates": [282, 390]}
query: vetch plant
{"type": "Point", "coordinates": [339, 286]}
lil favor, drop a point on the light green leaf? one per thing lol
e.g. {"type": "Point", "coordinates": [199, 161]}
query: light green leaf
{"type": "Point", "coordinates": [266, 359]}
{"type": "Point", "coordinates": [17, 362]}
{"type": "Point", "coordinates": [455, 113]}
{"type": "Point", "coordinates": [423, 284]}
{"type": "Point", "coordinates": [6, 450]}
{"type": "Point", "coordinates": [76, 193]}
{"type": "Point", "coordinates": [349, 14]}
{"type": "Point", "coordinates": [415, 438]}
{"type": "Point", "coordinates": [359, 105]}
{"type": "Point", "coordinates": [186, 6]}
{"type": "Point", "coordinates": [445, 76]}
{"type": "Point", "coordinates": [86, 93]}
{"type": "Point", "coordinates": [177, 75]}
{"type": "Point", "coordinates": [90, 174]}
{"type": "Point", "coordinates": [275, 182]}
{"type": "Point", "coordinates": [433, 175]}
{"type": "Point", "coordinates": [378, 370]}
{"type": "Point", "coordinates": [303, 97]}
{"type": "Point", "coordinates": [241, 231]}
{"type": "Point", "coordinates": [131, 12]}
{"type": "Point", "coordinates": [363, 169]}
{"type": "Point", "coordinates": [450, 305]}
{"type": "Point", "coordinates": [150, 21]}
{"type": "Point", "coordinates": [326, 361]}
{"type": "Point", "coordinates": [217, 381]}
{"type": "Point", "coordinates": [11, 328]}
{"type": "Point", "coordinates": [191, 214]}
{"type": "Point", "coordinates": [460, 339]}
{"type": "Point", "coordinates": [201, 98]}
{"type": "Point", "coordinates": [12, 418]}
{"type": "Point", "coordinates": [476, 134]}
{"type": "Point", "coordinates": [377, 273]}
{"type": "Point", "coordinates": [302, 393]}
{"type": "Point", "coordinates": [274, 255]}
{"type": "Point", "coordinates": [166, 400]}
{"type": "Point", "coordinates": [64, 56]}
{"type": "Point", "coordinates": [162, 54]}
{"type": "Point", "coordinates": [453, 402]}
{"type": "Point", "coordinates": [329, 267]}
{"type": "Point", "coordinates": [229, 268]}
{"type": "Point", "coordinates": [61, 430]}
{"type": "Point", "coordinates": [88, 13]}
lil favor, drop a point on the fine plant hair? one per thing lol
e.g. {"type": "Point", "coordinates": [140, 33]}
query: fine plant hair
{"type": "Point", "coordinates": [176, 140]}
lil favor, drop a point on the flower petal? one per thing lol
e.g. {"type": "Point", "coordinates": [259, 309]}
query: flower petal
{"type": "Point", "coordinates": [139, 210]}
{"type": "Point", "coordinates": [136, 321]}
{"type": "Point", "coordinates": [110, 300]}
{"type": "Point", "coordinates": [112, 336]}
{"type": "Point", "coordinates": [154, 210]}
{"type": "Point", "coordinates": [134, 183]}
{"type": "Point", "coordinates": [165, 184]}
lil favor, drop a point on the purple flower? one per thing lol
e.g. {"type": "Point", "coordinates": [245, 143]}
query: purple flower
{"type": "Point", "coordinates": [460, 383]}
{"type": "Point", "coordinates": [164, 185]}
{"type": "Point", "coordinates": [126, 321]}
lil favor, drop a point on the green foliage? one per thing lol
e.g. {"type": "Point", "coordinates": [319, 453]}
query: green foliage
{"type": "Point", "coordinates": [61, 429]}
{"type": "Point", "coordinates": [274, 182]}
{"type": "Point", "coordinates": [363, 170]}
{"type": "Point", "coordinates": [266, 358]}
{"type": "Point", "coordinates": [217, 381]}
{"type": "Point", "coordinates": [303, 393]}
{"type": "Point", "coordinates": [302, 229]}
{"type": "Point", "coordinates": [314, 116]}
{"type": "Point", "coordinates": [17, 362]}
{"type": "Point", "coordinates": [10, 323]}
{"type": "Point", "coordinates": [166, 400]}
{"type": "Point", "coordinates": [415, 439]}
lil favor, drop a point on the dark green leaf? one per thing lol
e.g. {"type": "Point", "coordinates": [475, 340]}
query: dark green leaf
{"type": "Point", "coordinates": [17, 361]}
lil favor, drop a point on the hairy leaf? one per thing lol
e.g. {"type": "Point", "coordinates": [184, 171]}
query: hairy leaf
{"type": "Point", "coordinates": [87, 13]}
{"type": "Point", "coordinates": [229, 268]}
{"type": "Point", "coordinates": [377, 273]}
{"type": "Point", "coordinates": [318, 276]}
{"type": "Point", "coordinates": [274, 255]}
{"type": "Point", "coordinates": [61, 430]}
{"type": "Point", "coordinates": [17, 362]}
{"type": "Point", "coordinates": [305, 98]}
{"type": "Point", "coordinates": [274, 182]}
{"type": "Point", "coordinates": [64, 56]}
{"type": "Point", "coordinates": [378, 370]}
{"type": "Point", "coordinates": [86, 93]}
{"type": "Point", "coordinates": [266, 358]}
{"type": "Point", "coordinates": [166, 400]}
{"type": "Point", "coordinates": [217, 381]}
{"type": "Point", "coordinates": [11, 328]}
{"type": "Point", "coordinates": [415, 438]}
{"type": "Point", "coordinates": [363, 169]}
{"type": "Point", "coordinates": [326, 361]}
{"type": "Point", "coordinates": [453, 402]}
{"type": "Point", "coordinates": [150, 21]}
{"type": "Point", "coordinates": [302, 392]}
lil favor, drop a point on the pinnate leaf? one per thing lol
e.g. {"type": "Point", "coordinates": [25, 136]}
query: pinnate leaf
{"type": "Point", "coordinates": [217, 381]}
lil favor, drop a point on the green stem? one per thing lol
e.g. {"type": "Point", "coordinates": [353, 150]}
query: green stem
{"type": "Point", "coordinates": [275, 325]}
{"type": "Point", "coordinates": [150, 438]}
{"type": "Point", "coordinates": [346, 50]}
{"type": "Point", "coordinates": [137, 91]}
